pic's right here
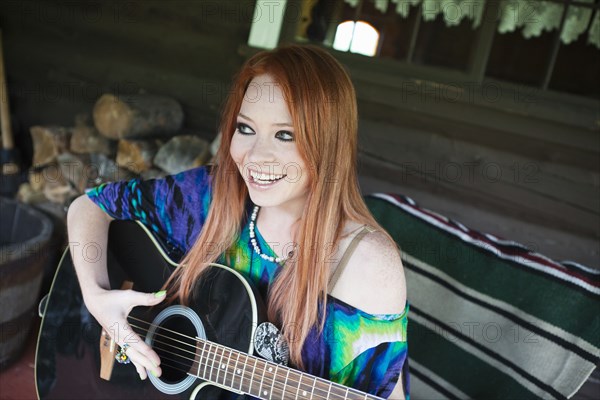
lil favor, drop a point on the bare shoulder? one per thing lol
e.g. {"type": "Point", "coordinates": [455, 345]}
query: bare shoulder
{"type": "Point", "coordinates": [373, 279]}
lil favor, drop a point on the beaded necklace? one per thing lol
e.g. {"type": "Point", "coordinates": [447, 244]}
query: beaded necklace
{"type": "Point", "coordinates": [255, 243]}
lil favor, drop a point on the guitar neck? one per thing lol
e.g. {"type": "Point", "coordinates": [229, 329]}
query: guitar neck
{"type": "Point", "coordinates": [245, 373]}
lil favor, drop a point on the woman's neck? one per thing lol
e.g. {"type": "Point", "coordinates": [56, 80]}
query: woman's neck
{"type": "Point", "coordinates": [279, 224]}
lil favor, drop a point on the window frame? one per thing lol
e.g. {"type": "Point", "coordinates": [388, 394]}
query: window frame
{"type": "Point", "coordinates": [475, 74]}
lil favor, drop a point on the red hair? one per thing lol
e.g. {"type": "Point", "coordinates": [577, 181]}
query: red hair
{"type": "Point", "coordinates": [322, 104]}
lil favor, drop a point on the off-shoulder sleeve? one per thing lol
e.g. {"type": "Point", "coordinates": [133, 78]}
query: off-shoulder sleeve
{"type": "Point", "coordinates": [173, 207]}
{"type": "Point", "coordinates": [368, 352]}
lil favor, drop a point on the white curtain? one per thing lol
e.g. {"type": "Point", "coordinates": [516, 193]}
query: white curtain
{"type": "Point", "coordinates": [531, 17]}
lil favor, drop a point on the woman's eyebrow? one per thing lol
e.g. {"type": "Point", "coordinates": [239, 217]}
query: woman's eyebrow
{"type": "Point", "coordinates": [276, 124]}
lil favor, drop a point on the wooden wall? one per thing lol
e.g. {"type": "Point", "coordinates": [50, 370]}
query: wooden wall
{"type": "Point", "coordinates": [535, 160]}
{"type": "Point", "coordinates": [61, 56]}
{"type": "Point", "coordinates": [505, 158]}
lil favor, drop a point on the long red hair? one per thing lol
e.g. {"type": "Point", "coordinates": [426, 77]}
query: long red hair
{"type": "Point", "coordinates": [322, 104]}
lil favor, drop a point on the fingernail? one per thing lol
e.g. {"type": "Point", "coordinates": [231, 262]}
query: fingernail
{"type": "Point", "coordinates": [141, 377]}
{"type": "Point", "coordinates": [160, 294]}
{"type": "Point", "coordinates": [155, 374]}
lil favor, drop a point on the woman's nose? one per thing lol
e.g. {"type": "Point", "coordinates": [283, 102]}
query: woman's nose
{"type": "Point", "coordinates": [263, 150]}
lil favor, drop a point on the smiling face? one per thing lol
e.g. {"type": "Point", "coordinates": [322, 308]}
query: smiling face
{"type": "Point", "coordinates": [264, 148]}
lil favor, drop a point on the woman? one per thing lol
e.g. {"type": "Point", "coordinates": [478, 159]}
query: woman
{"type": "Point", "coordinates": [283, 205]}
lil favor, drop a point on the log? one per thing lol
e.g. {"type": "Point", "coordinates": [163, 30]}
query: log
{"type": "Point", "coordinates": [86, 139]}
{"type": "Point", "coordinates": [74, 169]}
{"type": "Point", "coordinates": [103, 169]}
{"type": "Point", "coordinates": [136, 116]}
{"type": "Point", "coordinates": [28, 195]}
{"type": "Point", "coordinates": [182, 153]}
{"type": "Point", "coordinates": [37, 180]}
{"type": "Point", "coordinates": [58, 189]}
{"type": "Point", "coordinates": [137, 155]}
{"type": "Point", "coordinates": [153, 173]}
{"type": "Point", "coordinates": [48, 143]}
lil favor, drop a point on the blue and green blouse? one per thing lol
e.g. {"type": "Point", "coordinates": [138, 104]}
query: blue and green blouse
{"type": "Point", "coordinates": [355, 348]}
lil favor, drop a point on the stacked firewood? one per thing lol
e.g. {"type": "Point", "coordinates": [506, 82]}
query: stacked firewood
{"type": "Point", "coordinates": [124, 137]}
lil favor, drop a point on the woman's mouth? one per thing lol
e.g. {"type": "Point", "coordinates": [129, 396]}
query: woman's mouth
{"type": "Point", "coordinates": [263, 180]}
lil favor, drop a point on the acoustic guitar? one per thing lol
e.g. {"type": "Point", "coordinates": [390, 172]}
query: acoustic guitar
{"type": "Point", "coordinates": [209, 350]}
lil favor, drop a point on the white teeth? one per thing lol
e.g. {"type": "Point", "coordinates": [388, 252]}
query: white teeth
{"type": "Point", "coordinates": [264, 177]}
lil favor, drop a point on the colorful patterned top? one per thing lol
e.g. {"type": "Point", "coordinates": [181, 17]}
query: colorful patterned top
{"type": "Point", "coordinates": [357, 349]}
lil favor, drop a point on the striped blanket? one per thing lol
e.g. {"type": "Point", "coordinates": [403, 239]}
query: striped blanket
{"type": "Point", "coordinates": [490, 318]}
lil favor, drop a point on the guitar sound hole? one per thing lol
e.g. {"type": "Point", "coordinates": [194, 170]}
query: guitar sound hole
{"type": "Point", "coordinates": [175, 344]}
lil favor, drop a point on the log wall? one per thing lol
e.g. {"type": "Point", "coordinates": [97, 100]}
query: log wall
{"type": "Point", "coordinates": [62, 55]}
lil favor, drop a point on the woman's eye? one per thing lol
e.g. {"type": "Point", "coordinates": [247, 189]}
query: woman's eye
{"type": "Point", "coordinates": [285, 136]}
{"type": "Point", "coordinates": [244, 129]}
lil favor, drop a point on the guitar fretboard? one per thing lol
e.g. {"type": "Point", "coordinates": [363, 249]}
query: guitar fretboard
{"type": "Point", "coordinates": [264, 379]}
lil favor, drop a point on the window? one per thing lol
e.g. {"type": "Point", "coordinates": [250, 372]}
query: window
{"type": "Point", "coordinates": [539, 43]}
{"type": "Point", "coordinates": [356, 37]}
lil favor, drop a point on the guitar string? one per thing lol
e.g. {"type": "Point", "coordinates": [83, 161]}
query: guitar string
{"type": "Point", "coordinates": [271, 380]}
{"type": "Point", "coordinates": [248, 356]}
{"type": "Point", "coordinates": [215, 353]}
{"type": "Point", "coordinates": [317, 379]}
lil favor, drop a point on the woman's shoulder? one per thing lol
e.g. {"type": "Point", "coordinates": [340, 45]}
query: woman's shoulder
{"type": "Point", "coordinates": [373, 278]}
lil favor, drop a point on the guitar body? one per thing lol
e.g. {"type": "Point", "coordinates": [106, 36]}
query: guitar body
{"type": "Point", "coordinates": [68, 358]}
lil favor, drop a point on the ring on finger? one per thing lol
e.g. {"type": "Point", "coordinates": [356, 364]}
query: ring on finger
{"type": "Point", "coordinates": [121, 356]}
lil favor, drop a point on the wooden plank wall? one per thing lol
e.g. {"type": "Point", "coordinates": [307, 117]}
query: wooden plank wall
{"type": "Point", "coordinates": [62, 55]}
{"type": "Point", "coordinates": [539, 181]}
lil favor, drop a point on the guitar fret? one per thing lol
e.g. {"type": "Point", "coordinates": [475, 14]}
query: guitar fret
{"type": "Point", "coordinates": [273, 377]}
{"type": "Point", "coordinates": [243, 375]}
{"type": "Point", "coordinates": [206, 354]}
{"type": "Point", "coordinates": [327, 389]}
{"type": "Point", "coordinates": [220, 363]}
{"type": "Point", "coordinates": [217, 369]}
{"type": "Point", "coordinates": [224, 364]}
{"type": "Point", "coordinates": [262, 378]}
{"type": "Point", "coordinates": [213, 362]}
{"type": "Point", "coordinates": [299, 383]}
{"type": "Point", "coordinates": [200, 361]}
{"type": "Point", "coordinates": [285, 382]}
{"type": "Point", "coordinates": [303, 390]}
{"type": "Point", "coordinates": [225, 368]}
{"type": "Point", "coordinates": [235, 370]}
{"type": "Point", "coordinates": [312, 392]}
{"type": "Point", "coordinates": [227, 364]}
{"type": "Point", "coordinates": [252, 376]}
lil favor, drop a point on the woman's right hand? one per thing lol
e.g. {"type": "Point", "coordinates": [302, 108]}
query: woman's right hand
{"type": "Point", "coordinates": [111, 308]}
{"type": "Point", "coordinates": [88, 225]}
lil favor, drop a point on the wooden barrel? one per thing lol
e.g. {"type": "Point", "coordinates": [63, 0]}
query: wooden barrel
{"type": "Point", "coordinates": [24, 251]}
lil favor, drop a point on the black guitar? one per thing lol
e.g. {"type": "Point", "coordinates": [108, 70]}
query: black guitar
{"type": "Point", "coordinates": [206, 349]}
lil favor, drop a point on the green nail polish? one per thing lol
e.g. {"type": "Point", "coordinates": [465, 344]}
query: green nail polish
{"type": "Point", "coordinates": [154, 373]}
{"type": "Point", "coordinates": [160, 294]}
